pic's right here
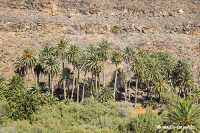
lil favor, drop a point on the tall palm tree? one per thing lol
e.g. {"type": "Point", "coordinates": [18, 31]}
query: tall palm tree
{"type": "Point", "coordinates": [184, 113]}
{"type": "Point", "coordinates": [138, 67]}
{"type": "Point", "coordinates": [128, 54]}
{"type": "Point", "coordinates": [121, 82]}
{"type": "Point", "coordinates": [28, 60]}
{"type": "Point", "coordinates": [153, 69]}
{"type": "Point", "coordinates": [61, 50]}
{"type": "Point", "coordinates": [186, 81]}
{"type": "Point", "coordinates": [72, 56]}
{"type": "Point", "coordinates": [95, 64]}
{"type": "Point", "coordinates": [104, 53]}
{"type": "Point", "coordinates": [52, 67]}
{"type": "Point", "coordinates": [181, 75]}
{"type": "Point", "coordinates": [44, 54]}
{"type": "Point", "coordinates": [116, 59]}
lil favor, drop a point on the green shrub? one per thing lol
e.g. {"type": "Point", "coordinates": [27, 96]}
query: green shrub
{"type": "Point", "coordinates": [115, 29]}
{"type": "Point", "coordinates": [144, 123]}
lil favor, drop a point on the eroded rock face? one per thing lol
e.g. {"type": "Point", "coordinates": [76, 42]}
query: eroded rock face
{"type": "Point", "coordinates": [168, 26]}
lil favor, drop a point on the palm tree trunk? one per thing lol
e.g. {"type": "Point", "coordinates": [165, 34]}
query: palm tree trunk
{"type": "Point", "coordinates": [115, 85]}
{"type": "Point", "coordinates": [32, 70]}
{"type": "Point", "coordinates": [38, 78]}
{"type": "Point", "coordinates": [92, 88]}
{"type": "Point", "coordinates": [158, 97]}
{"type": "Point", "coordinates": [104, 78]}
{"type": "Point", "coordinates": [49, 82]}
{"type": "Point", "coordinates": [96, 80]}
{"type": "Point", "coordinates": [136, 88]}
{"type": "Point", "coordinates": [125, 97]}
{"type": "Point", "coordinates": [78, 86]}
{"type": "Point", "coordinates": [83, 92]}
{"type": "Point", "coordinates": [77, 91]}
{"type": "Point", "coordinates": [73, 84]}
{"type": "Point", "coordinates": [52, 89]}
{"type": "Point", "coordinates": [64, 88]}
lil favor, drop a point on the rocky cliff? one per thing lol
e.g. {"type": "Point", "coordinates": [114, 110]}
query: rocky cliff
{"type": "Point", "coordinates": [156, 25]}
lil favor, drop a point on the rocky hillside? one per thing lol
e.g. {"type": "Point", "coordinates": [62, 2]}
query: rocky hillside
{"type": "Point", "coordinates": [156, 25]}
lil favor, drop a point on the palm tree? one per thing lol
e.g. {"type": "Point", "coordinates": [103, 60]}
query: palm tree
{"type": "Point", "coordinates": [16, 85]}
{"type": "Point", "coordinates": [128, 54]}
{"type": "Point", "coordinates": [95, 64]}
{"type": "Point", "coordinates": [28, 60]}
{"type": "Point", "coordinates": [182, 76]}
{"type": "Point", "coordinates": [38, 70]}
{"type": "Point", "coordinates": [186, 81]}
{"type": "Point", "coordinates": [106, 93]}
{"type": "Point", "coordinates": [44, 54]}
{"type": "Point", "coordinates": [153, 68]}
{"type": "Point", "coordinates": [72, 55]}
{"type": "Point", "coordinates": [52, 67]}
{"type": "Point", "coordinates": [61, 50]}
{"type": "Point", "coordinates": [138, 67]}
{"type": "Point", "coordinates": [104, 53]}
{"type": "Point", "coordinates": [20, 69]}
{"type": "Point", "coordinates": [116, 59]}
{"type": "Point", "coordinates": [93, 49]}
{"type": "Point", "coordinates": [184, 113]}
{"type": "Point", "coordinates": [160, 85]}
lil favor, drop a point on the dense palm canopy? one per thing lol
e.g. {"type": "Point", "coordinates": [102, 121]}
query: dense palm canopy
{"type": "Point", "coordinates": [61, 48]}
{"type": "Point", "coordinates": [95, 64]}
{"type": "Point", "coordinates": [28, 58]}
{"type": "Point", "coordinates": [128, 54]}
{"type": "Point", "coordinates": [46, 51]}
{"type": "Point", "coordinates": [116, 58]}
{"type": "Point", "coordinates": [51, 66]}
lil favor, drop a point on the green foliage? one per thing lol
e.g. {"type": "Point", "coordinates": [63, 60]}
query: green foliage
{"type": "Point", "coordinates": [51, 66]}
{"type": "Point", "coordinates": [72, 54]}
{"type": "Point", "coordinates": [28, 59]}
{"type": "Point", "coordinates": [116, 57]}
{"type": "Point", "coordinates": [115, 29]}
{"type": "Point", "coordinates": [61, 48]}
{"type": "Point", "coordinates": [144, 123]}
{"type": "Point", "coordinates": [106, 93]}
{"type": "Point", "coordinates": [183, 113]}
{"type": "Point", "coordinates": [128, 54]}
{"type": "Point", "coordinates": [95, 64]}
{"type": "Point", "coordinates": [3, 89]}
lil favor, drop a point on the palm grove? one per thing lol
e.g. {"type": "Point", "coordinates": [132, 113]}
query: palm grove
{"type": "Point", "coordinates": [145, 78]}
